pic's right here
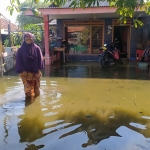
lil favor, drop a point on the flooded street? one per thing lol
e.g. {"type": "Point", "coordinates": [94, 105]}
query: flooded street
{"type": "Point", "coordinates": [81, 106]}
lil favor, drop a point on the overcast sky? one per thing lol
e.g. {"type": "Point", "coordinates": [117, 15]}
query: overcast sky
{"type": "Point", "coordinates": [4, 12]}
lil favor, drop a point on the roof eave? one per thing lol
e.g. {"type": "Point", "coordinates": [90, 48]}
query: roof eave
{"type": "Point", "coordinates": [77, 11]}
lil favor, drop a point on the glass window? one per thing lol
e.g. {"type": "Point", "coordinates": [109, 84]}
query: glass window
{"type": "Point", "coordinates": [79, 38]}
{"type": "Point", "coordinates": [97, 38]}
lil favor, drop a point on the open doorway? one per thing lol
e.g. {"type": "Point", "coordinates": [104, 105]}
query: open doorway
{"type": "Point", "coordinates": [122, 34]}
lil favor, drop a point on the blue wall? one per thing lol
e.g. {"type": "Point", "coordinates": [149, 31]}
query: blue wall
{"type": "Point", "coordinates": [133, 41]}
{"type": "Point", "coordinates": [107, 37]}
{"type": "Point", "coordinates": [59, 31]}
{"type": "Point", "coordinates": [133, 37]}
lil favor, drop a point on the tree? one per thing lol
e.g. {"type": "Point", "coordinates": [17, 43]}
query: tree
{"type": "Point", "coordinates": [36, 30]}
{"type": "Point", "coordinates": [25, 20]}
{"type": "Point", "coordinates": [125, 8]}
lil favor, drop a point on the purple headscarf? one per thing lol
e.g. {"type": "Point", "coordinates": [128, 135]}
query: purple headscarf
{"type": "Point", "coordinates": [29, 57]}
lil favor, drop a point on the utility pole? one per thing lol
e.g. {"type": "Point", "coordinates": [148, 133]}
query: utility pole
{"type": "Point", "coordinates": [9, 30]}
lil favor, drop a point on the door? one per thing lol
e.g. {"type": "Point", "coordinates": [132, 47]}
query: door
{"type": "Point", "coordinates": [121, 33]}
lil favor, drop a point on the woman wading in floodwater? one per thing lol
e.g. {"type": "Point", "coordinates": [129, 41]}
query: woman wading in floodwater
{"type": "Point", "coordinates": [29, 62]}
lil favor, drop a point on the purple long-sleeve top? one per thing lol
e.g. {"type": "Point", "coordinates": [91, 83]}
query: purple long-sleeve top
{"type": "Point", "coordinates": [29, 58]}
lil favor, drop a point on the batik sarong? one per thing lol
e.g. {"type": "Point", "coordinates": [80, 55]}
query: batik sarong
{"type": "Point", "coordinates": [31, 82]}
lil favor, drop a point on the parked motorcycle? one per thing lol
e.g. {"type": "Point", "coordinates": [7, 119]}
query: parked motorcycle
{"type": "Point", "coordinates": [110, 54]}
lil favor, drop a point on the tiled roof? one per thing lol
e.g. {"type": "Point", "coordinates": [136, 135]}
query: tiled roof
{"type": "Point", "coordinates": [101, 4]}
{"type": "Point", "coordinates": [4, 25]}
{"type": "Point", "coordinates": [67, 5]}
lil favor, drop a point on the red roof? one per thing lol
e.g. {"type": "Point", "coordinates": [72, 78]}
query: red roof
{"type": "Point", "coordinates": [4, 25]}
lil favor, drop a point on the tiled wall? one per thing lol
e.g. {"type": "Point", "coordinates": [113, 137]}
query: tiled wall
{"type": "Point", "coordinates": [9, 61]}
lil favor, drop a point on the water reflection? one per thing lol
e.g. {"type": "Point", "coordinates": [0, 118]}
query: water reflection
{"type": "Point", "coordinates": [96, 112]}
{"type": "Point", "coordinates": [96, 126]}
{"type": "Point", "coordinates": [94, 70]}
{"type": "Point", "coordinates": [99, 125]}
{"type": "Point", "coordinates": [30, 129]}
{"type": "Point", "coordinates": [6, 127]}
{"type": "Point", "coordinates": [129, 70]}
{"type": "Point", "coordinates": [33, 147]}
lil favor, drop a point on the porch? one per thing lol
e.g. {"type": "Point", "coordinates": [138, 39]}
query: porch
{"type": "Point", "coordinates": [97, 26]}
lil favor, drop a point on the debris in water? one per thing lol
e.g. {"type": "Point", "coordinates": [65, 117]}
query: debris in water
{"type": "Point", "coordinates": [88, 117]}
{"type": "Point", "coordinates": [140, 146]}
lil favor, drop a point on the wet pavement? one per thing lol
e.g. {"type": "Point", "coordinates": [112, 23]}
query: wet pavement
{"type": "Point", "coordinates": [81, 106]}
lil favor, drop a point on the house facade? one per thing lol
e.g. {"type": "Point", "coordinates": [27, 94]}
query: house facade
{"type": "Point", "coordinates": [4, 28]}
{"type": "Point", "coordinates": [88, 29]}
{"type": "Point", "coordinates": [8, 56]}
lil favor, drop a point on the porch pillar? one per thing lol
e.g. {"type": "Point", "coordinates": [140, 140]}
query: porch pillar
{"type": "Point", "coordinates": [46, 42]}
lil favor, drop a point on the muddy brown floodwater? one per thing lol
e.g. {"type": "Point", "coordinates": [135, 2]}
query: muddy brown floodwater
{"type": "Point", "coordinates": [81, 106]}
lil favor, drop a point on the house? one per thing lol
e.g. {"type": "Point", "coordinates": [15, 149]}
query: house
{"type": "Point", "coordinates": [8, 56]}
{"type": "Point", "coordinates": [4, 28]}
{"type": "Point", "coordinates": [88, 29]}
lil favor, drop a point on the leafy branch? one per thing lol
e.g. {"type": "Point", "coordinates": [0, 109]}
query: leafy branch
{"type": "Point", "coordinates": [124, 8]}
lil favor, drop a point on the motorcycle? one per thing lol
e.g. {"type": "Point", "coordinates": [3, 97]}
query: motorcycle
{"type": "Point", "coordinates": [110, 54]}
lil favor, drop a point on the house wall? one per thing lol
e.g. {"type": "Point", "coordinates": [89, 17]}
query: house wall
{"type": "Point", "coordinates": [133, 41]}
{"type": "Point", "coordinates": [107, 37]}
{"type": "Point", "coordinates": [60, 29]}
{"type": "Point", "coordinates": [139, 37]}
{"type": "Point", "coordinates": [145, 30]}
{"type": "Point", "coordinates": [9, 60]}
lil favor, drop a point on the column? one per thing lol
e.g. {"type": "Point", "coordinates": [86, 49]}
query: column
{"type": "Point", "coordinates": [46, 37]}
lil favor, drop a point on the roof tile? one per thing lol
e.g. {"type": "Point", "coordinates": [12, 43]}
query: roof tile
{"type": "Point", "coordinates": [4, 25]}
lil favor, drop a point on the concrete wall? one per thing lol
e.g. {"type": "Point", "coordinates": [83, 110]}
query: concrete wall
{"type": "Point", "coordinates": [9, 60]}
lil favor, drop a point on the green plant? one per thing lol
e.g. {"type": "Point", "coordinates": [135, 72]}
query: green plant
{"type": "Point", "coordinates": [85, 35]}
{"type": "Point", "coordinates": [36, 30]}
{"type": "Point", "coordinates": [124, 8]}
{"type": "Point", "coordinates": [6, 42]}
{"type": "Point", "coordinates": [16, 39]}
